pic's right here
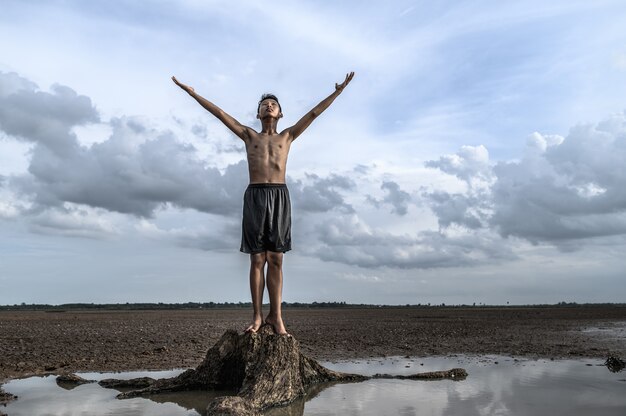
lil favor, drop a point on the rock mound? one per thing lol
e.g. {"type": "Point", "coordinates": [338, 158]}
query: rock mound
{"type": "Point", "coordinates": [264, 369]}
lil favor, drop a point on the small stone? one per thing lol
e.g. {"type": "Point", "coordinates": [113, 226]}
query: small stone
{"type": "Point", "coordinates": [72, 379]}
{"type": "Point", "coordinates": [6, 397]}
{"type": "Point", "coordinates": [136, 383]}
{"type": "Point", "coordinates": [615, 364]}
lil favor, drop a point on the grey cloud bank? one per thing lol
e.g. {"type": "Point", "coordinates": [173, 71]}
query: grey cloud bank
{"type": "Point", "coordinates": [322, 194]}
{"type": "Point", "coordinates": [145, 181]}
{"type": "Point", "coordinates": [135, 171]}
{"type": "Point", "coordinates": [561, 189]}
{"type": "Point", "coordinates": [394, 196]}
{"type": "Point", "coordinates": [349, 240]}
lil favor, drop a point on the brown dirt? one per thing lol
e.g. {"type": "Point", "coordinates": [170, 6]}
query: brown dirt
{"type": "Point", "coordinates": [62, 342]}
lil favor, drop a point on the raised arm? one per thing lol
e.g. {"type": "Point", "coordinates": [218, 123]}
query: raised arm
{"type": "Point", "coordinates": [236, 127]}
{"type": "Point", "coordinates": [307, 119]}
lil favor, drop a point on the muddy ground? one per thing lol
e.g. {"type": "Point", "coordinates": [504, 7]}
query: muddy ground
{"type": "Point", "coordinates": [60, 342]}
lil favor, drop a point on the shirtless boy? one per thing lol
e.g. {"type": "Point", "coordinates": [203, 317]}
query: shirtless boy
{"type": "Point", "coordinates": [266, 226]}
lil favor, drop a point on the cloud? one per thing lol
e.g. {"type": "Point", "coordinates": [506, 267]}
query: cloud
{"type": "Point", "coordinates": [456, 209]}
{"type": "Point", "coordinates": [574, 189]}
{"type": "Point", "coordinates": [11, 207]}
{"type": "Point", "coordinates": [396, 197]}
{"type": "Point", "coordinates": [8, 209]}
{"type": "Point", "coordinates": [321, 194]}
{"type": "Point", "coordinates": [71, 221]}
{"type": "Point", "coordinates": [362, 169]}
{"type": "Point", "coordinates": [471, 208]}
{"type": "Point", "coordinates": [471, 162]}
{"type": "Point", "coordinates": [566, 191]}
{"type": "Point", "coordinates": [561, 189]}
{"type": "Point", "coordinates": [135, 171]}
{"type": "Point", "coordinates": [138, 170]}
{"type": "Point", "coordinates": [222, 237]}
{"type": "Point", "coordinates": [11, 83]}
{"type": "Point", "coordinates": [41, 117]}
{"type": "Point", "coordinates": [350, 241]}
{"type": "Point", "coordinates": [202, 130]}
{"type": "Point", "coordinates": [361, 278]}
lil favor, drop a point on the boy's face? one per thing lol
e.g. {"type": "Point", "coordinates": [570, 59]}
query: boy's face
{"type": "Point", "coordinates": [269, 108]}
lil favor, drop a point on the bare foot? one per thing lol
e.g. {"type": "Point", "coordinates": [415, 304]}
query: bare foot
{"type": "Point", "coordinates": [277, 325]}
{"type": "Point", "coordinates": [255, 325]}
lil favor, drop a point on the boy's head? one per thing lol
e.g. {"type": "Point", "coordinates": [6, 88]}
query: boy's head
{"type": "Point", "coordinates": [269, 104]}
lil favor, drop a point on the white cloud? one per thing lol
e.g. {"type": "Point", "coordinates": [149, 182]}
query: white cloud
{"type": "Point", "coordinates": [8, 210]}
{"type": "Point", "coordinates": [394, 196]}
{"type": "Point", "coordinates": [73, 221]}
{"type": "Point", "coordinates": [348, 240]}
{"type": "Point", "coordinates": [136, 170]}
{"type": "Point", "coordinates": [222, 236]}
{"type": "Point", "coordinates": [470, 163]}
{"type": "Point", "coordinates": [561, 189]}
{"type": "Point", "coordinates": [361, 277]}
{"type": "Point", "coordinates": [321, 194]}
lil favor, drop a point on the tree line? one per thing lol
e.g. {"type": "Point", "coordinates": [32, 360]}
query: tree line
{"type": "Point", "coordinates": [236, 305]}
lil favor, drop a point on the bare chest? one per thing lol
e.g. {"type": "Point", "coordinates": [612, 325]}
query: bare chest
{"type": "Point", "coordinates": [267, 148]}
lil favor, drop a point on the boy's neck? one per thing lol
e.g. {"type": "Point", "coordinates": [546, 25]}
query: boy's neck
{"type": "Point", "coordinates": [268, 125]}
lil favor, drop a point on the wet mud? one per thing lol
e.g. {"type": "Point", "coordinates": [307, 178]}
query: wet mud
{"type": "Point", "coordinates": [41, 342]}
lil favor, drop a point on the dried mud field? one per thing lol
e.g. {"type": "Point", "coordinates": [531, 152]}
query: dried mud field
{"type": "Point", "coordinates": [39, 342]}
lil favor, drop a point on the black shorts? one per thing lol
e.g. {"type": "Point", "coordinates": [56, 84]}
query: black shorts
{"type": "Point", "coordinates": [266, 224]}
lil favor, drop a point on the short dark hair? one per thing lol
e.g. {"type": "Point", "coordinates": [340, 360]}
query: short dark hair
{"type": "Point", "coordinates": [270, 97]}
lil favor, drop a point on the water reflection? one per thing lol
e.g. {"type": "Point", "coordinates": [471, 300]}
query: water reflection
{"type": "Point", "coordinates": [191, 400]}
{"type": "Point", "coordinates": [496, 385]}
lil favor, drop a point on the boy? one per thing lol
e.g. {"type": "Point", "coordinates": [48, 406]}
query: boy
{"type": "Point", "coordinates": [266, 225]}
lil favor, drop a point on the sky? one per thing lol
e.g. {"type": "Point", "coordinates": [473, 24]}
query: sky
{"type": "Point", "coordinates": [478, 155]}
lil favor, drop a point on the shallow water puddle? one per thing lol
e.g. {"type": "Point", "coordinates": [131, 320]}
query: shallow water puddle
{"type": "Point", "coordinates": [495, 386]}
{"type": "Point", "coordinates": [615, 331]}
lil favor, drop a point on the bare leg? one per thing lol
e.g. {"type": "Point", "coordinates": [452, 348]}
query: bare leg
{"type": "Point", "coordinates": [275, 289]}
{"type": "Point", "coordinates": [257, 285]}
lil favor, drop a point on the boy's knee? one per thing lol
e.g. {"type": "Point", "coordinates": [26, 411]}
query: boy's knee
{"type": "Point", "coordinates": [274, 259]}
{"type": "Point", "coordinates": [257, 260]}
